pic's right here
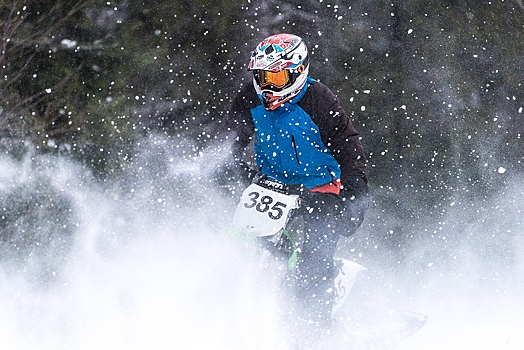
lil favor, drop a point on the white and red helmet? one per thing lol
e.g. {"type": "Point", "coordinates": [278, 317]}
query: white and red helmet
{"type": "Point", "coordinates": [280, 68]}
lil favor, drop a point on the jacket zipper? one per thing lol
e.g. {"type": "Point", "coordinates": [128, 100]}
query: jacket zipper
{"type": "Point", "coordinates": [294, 148]}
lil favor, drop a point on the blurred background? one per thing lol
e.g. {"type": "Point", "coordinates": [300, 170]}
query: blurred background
{"type": "Point", "coordinates": [122, 100]}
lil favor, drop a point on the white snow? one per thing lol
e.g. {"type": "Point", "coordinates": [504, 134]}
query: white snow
{"type": "Point", "coordinates": [151, 268]}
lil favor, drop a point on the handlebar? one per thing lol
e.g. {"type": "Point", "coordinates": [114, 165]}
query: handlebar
{"type": "Point", "coordinates": [277, 186]}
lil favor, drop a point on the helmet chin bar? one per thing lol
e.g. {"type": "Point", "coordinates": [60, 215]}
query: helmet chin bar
{"type": "Point", "coordinates": [272, 102]}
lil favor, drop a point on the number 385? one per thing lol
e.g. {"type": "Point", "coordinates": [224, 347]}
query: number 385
{"type": "Point", "coordinates": [264, 204]}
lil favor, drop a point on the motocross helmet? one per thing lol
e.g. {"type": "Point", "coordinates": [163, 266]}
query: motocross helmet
{"type": "Point", "coordinates": [280, 69]}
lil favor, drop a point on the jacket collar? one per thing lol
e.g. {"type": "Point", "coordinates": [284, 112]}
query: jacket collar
{"type": "Point", "coordinates": [302, 92]}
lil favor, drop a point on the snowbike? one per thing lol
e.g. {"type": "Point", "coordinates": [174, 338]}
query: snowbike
{"type": "Point", "coordinates": [267, 211]}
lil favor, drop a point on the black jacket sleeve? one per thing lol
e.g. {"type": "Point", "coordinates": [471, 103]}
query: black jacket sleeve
{"type": "Point", "coordinates": [237, 131]}
{"type": "Point", "coordinates": [239, 122]}
{"type": "Point", "coordinates": [337, 132]}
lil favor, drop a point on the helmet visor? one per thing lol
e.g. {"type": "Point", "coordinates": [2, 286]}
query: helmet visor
{"type": "Point", "coordinates": [276, 80]}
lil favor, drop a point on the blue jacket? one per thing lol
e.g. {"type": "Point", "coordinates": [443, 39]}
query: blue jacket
{"type": "Point", "coordinates": [309, 140]}
{"type": "Point", "coordinates": [288, 146]}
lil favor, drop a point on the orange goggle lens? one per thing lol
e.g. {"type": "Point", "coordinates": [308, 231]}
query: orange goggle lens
{"type": "Point", "coordinates": [278, 79]}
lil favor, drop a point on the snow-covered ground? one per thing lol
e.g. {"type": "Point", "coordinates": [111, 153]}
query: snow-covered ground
{"type": "Point", "coordinates": [153, 266]}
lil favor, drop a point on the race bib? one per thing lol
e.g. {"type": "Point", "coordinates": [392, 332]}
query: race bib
{"type": "Point", "coordinates": [263, 212]}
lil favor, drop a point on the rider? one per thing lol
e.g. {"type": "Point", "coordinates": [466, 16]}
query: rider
{"type": "Point", "coordinates": [303, 136]}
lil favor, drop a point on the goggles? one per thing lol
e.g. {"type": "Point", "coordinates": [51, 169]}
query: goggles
{"type": "Point", "coordinates": [275, 79]}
